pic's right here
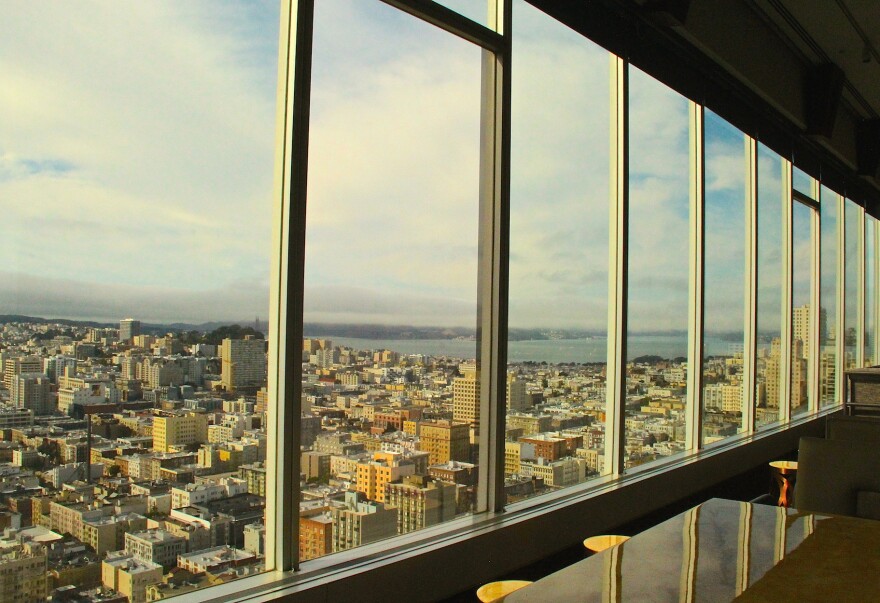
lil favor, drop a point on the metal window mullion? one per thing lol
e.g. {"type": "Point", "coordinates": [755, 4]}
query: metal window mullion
{"type": "Point", "coordinates": [812, 344]}
{"type": "Point", "coordinates": [492, 287]}
{"type": "Point", "coordinates": [840, 293]}
{"type": "Point", "coordinates": [693, 408]}
{"type": "Point", "coordinates": [286, 287]}
{"type": "Point", "coordinates": [615, 372]}
{"type": "Point", "coordinates": [787, 278]}
{"type": "Point", "coordinates": [489, 38]}
{"type": "Point", "coordinates": [875, 307]}
{"type": "Point", "coordinates": [860, 297]}
{"type": "Point", "coordinates": [751, 286]}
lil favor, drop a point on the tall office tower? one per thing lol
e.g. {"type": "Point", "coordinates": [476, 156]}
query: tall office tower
{"type": "Point", "coordinates": [129, 328]}
{"type": "Point", "coordinates": [243, 363]}
{"type": "Point", "coordinates": [466, 396]}
{"type": "Point", "coordinates": [516, 393]}
{"type": "Point", "coordinates": [772, 374]}
{"type": "Point", "coordinates": [31, 390]}
{"type": "Point", "coordinates": [445, 441]}
{"type": "Point", "coordinates": [798, 378]}
{"type": "Point", "coordinates": [17, 366]}
{"type": "Point", "coordinates": [800, 328]}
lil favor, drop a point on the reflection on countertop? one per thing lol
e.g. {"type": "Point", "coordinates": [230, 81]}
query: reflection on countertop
{"type": "Point", "coordinates": [721, 550]}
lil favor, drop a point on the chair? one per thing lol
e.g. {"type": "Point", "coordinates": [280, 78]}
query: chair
{"type": "Point", "coordinates": [864, 429]}
{"type": "Point", "coordinates": [495, 592]}
{"type": "Point", "coordinates": [839, 476]}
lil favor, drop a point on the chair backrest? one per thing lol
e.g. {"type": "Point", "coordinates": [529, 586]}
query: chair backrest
{"type": "Point", "coordinates": [863, 429]}
{"type": "Point", "coordinates": [838, 476]}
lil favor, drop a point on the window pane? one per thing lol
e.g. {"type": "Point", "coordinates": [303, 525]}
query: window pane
{"type": "Point", "coordinates": [558, 257]}
{"type": "Point", "coordinates": [391, 393]}
{"type": "Point", "coordinates": [828, 297]}
{"type": "Point", "coordinates": [475, 10]}
{"type": "Point", "coordinates": [658, 271]}
{"type": "Point", "coordinates": [802, 183]}
{"type": "Point", "coordinates": [870, 290]}
{"type": "Point", "coordinates": [801, 286]}
{"type": "Point", "coordinates": [770, 276]}
{"type": "Point", "coordinates": [136, 176]}
{"type": "Point", "coordinates": [724, 278]}
{"type": "Point", "coordinates": [851, 282]}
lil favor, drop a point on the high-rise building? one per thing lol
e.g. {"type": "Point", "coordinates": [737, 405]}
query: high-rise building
{"type": "Point", "coordinates": [32, 390]}
{"type": "Point", "coordinates": [315, 535]}
{"type": "Point", "coordinates": [516, 393]}
{"type": "Point", "coordinates": [421, 502]}
{"type": "Point", "coordinates": [158, 546]}
{"type": "Point", "coordinates": [17, 366]}
{"type": "Point", "coordinates": [374, 475]}
{"type": "Point", "coordinates": [172, 430]}
{"type": "Point", "coordinates": [466, 396]}
{"type": "Point", "coordinates": [445, 441]}
{"type": "Point", "coordinates": [128, 329]}
{"type": "Point", "coordinates": [800, 328]}
{"type": "Point", "coordinates": [243, 363]}
{"type": "Point", "coordinates": [23, 577]}
{"type": "Point", "coordinates": [359, 522]}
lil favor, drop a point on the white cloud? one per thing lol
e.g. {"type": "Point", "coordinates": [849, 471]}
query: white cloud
{"type": "Point", "coordinates": [136, 145]}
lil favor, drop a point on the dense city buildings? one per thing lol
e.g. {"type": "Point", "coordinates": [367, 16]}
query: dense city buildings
{"type": "Point", "coordinates": [132, 454]}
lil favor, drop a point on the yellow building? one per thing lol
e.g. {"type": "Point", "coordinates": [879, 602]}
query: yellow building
{"type": "Point", "coordinates": [374, 475]}
{"type": "Point", "coordinates": [130, 576]}
{"type": "Point", "coordinates": [171, 431]}
{"type": "Point", "coordinates": [466, 396]}
{"type": "Point", "coordinates": [243, 363]}
{"type": "Point", "coordinates": [23, 574]}
{"type": "Point", "coordinates": [445, 441]}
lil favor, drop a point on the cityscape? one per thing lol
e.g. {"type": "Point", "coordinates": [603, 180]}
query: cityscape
{"type": "Point", "coordinates": [134, 463]}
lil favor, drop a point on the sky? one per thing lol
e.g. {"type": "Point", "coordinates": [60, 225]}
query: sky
{"type": "Point", "coordinates": [137, 157]}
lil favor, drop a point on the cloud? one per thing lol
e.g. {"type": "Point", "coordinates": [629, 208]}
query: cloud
{"type": "Point", "coordinates": [155, 172]}
{"type": "Point", "coordinates": [82, 299]}
{"type": "Point", "coordinates": [137, 146]}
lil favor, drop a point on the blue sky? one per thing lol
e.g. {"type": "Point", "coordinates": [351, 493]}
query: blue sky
{"type": "Point", "coordinates": [136, 169]}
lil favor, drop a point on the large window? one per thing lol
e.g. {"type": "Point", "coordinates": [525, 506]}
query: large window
{"type": "Point", "coordinates": [390, 425]}
{"type": "Point", "coordinates": [491, 283]}
{"type": "Point", "coordinates": [830, 274]}
{"type": "Point", "coordinates": [802, 254]}
{"type": "Point", "coordinates": [871, 304]}
{"type": "Point", "coordinates": [136, 186]}
{"type": "Point", "coordinates": [558, 266]}
{"type": "Point", "coordinates": [727, 174]}
{"type": "Point", "coordinates": [770, 265]}
{"type": "Point", "coordinates": [658, 260]}
{"type": "Point", "coordinates": [853, 232]}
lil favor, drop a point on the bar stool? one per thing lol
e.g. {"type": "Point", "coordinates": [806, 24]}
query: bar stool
{"type": "Point", "coordinates": [494, 592]}
{"type": "Point", "coordinates": [784, 474]}
{"type": "Point", "coordinates": [599, 543]}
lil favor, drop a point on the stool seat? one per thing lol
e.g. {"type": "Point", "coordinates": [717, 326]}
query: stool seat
{"type": "Point", "coordinates": [604, 541]}
{"type": "Point", "coordinates": [496, 591]}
